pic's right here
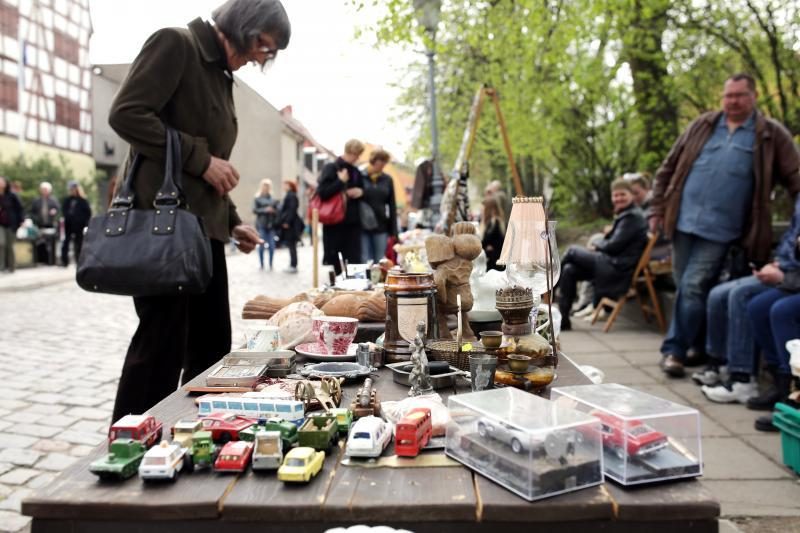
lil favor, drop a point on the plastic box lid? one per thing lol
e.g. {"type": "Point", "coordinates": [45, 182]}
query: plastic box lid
{"type": "Point", "coordinates": [622, 401]}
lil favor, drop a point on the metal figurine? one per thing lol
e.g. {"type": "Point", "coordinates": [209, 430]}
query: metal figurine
{"type": "Point", "coordinates": [420, 376]}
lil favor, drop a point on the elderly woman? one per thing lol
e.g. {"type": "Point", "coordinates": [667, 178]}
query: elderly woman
{"type": "Point", "coordinates": [339, 177]}
{"type": "Point", "coordinates": [379, 196]}
{"type": "Point", "coordinates": [610, 262]}
{"type": "Point", "coordinates": [183, 78]}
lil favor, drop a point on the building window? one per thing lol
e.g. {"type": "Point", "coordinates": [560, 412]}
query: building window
{"type": "Point", "coordinates": [8, 92]}
{"type": "Point", "coordinates": [66, 47]}
{"type": "Point", "coordinates": [68, 113]}
{"type": "Point", "coordinates": [9, 20]}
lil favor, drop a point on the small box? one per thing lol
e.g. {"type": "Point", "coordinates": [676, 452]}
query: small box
{"type": "Point", "coordinates": [645, 438]}
{"type": "Point", "coordinates": [531, 446]}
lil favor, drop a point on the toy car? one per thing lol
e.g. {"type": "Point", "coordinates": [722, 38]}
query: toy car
{"type": "Point", "coordinates": [287, 429]}
{"type": "Point", "coordinates": [183, 430]}
{"type": "Point", "coordinates": [631, 436]}
{"type": "Point", "coordinates": [369, 436]}
{"type": "Point", "coordinates": [267, 450]}
{"type": "Point", "coordinates": [319, 432]}
{"type": "Point", "coordinates": [203, 453]}
{"type": "Point", "coordinates": [225, 427]}
{"type": "Point", "coordinates": [344, 419]}
{"type": "Point", "coordinates": [122, 460]}
{"type": "Point", "coordinates": [143, 428]}
{"type": "Point", "coordinates": [413, 432]}
{"type": "Point", "coordinates": [301, 464]}
{"type": "Point", "coordinates": [164, 461]}
{"type": "Point", "coordinates": [233, 457]}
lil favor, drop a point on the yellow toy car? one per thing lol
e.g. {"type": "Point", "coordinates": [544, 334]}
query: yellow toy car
{"type": "Point", "coordinates": [301, 464]}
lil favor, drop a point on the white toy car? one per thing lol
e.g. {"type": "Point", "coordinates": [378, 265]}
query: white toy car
{"type": "Point", "coordinates": [268, 452]}
{"type": "Point", "coordinates": [162, 462]}
{"type": "Point", "coordinates": [368, 437]}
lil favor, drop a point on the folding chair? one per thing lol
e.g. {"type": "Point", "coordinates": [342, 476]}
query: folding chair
{"type": "Point", "coordinates": [642, 275]}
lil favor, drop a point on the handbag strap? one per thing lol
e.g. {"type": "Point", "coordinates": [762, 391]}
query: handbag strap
{"type": "Point", "coordinates": [170, 193]}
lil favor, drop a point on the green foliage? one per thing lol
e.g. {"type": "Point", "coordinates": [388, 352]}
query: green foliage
{"type": "Point", "coordinates": [590, 89]}
{"type": "Point", "coordinates": [31, 172]}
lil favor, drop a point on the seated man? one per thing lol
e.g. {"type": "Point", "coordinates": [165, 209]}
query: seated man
{"type": "Point", "coordinates": [730, 336]}
{"type": "Point", "coordinates": [609, 264]}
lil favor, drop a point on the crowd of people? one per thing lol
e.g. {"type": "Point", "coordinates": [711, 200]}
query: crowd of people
{"type": "Point", "coordinates": [43, 223]}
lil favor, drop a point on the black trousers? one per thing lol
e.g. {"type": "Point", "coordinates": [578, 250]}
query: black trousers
{"type": "Point", "coordinates": [176, 333]}
{"type": "Point", "coordinates": [578, 264]}
{"type": "Point", "coordinates": [344, 238]}
{"type": "Point", "coordinates": [78, 239]}
{"type": "Point", "coordinates": [291, 244]}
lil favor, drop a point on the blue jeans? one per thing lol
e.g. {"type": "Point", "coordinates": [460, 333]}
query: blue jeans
{"type": "Point", "coordinates": [373, 246]}
{"type": "Point", "coordinates": [696, 263]}
{"type": "Point", "coordinates": [775, 318]}
{"type": "Point", "coordinates": [268, 236]}
{"type": "Point", "coordinates": [729, 336]}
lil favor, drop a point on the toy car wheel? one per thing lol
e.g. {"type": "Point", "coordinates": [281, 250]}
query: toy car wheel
{"type": "Point", "coordinates": [482, 429]}
{"type": "Point", "coordinates": [188, 463]}
{"type": "Point", "coordinates": [620, 453]}
{"type": "Point", "coordinates": [516, 445]}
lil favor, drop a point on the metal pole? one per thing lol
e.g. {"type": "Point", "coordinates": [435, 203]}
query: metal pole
{"type": "Point", "coordinates": [438, 183]}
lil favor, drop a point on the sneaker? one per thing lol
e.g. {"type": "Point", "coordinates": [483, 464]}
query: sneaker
{"type": "Point", "coordinates": [602, 315]}
{"type": "Point", "coordinates": [733, 391]}
{"type": "Point", "coordinates": [291, 270]}
{"type": "Point", "coordinates": [586, 311]}
{"type": "Point", "coordinates": [711, 375]}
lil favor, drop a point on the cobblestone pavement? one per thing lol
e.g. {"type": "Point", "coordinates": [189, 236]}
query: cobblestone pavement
{"type": "Point", "coordinates": [61, 350]}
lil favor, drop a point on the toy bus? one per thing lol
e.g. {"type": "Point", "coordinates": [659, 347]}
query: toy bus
{"type": "Point", "coordinates": [251, 407]}
{"type": "Point", "coordinates": [413, 432]}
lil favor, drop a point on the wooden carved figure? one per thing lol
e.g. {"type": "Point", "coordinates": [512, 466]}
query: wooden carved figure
{"type": "Point", "coordinates": [451, 257]}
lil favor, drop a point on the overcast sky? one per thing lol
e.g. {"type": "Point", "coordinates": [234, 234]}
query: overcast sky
{"type": "Point", "coordinates": [339, 87]}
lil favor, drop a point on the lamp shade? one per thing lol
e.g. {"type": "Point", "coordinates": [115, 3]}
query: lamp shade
{"type": "Point", "coordinates": [526, 237]}
{"type": "Point", "coordinates": [428, 12]}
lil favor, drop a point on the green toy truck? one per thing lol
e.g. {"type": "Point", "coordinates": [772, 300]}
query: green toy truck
{"type": "Point", "coordinates": [121, 462]}
{"type": "Point", "coordinates": [344, 419]}
{"type": "Point", "coordinates": [203, 452]}
{"type": "Point", "coordinates": [319, 432]}
{"type": "Point", "coordinates": [287, 430]}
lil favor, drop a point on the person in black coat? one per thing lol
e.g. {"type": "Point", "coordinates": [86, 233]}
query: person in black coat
{"type": "Point", "coordinates": [494, 231]}
{"type": "Point", "coordinates": [339, 177]}
{"type": "Point", "coordinates": [11, 217]}
{"type": "Point", "coordinates": [611, 262]}
{"type": "Point", "coordinates": [379, 196]}
{"type": "Point", "coordinates": [77, 212]}
{"type": "Point", "coordinates": [291, 225]}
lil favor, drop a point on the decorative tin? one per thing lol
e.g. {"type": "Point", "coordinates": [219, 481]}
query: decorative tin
{"type": "Point", "coordinates": [410, 299]}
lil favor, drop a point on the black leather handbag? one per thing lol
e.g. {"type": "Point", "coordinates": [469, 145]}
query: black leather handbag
{"type": "Point", "coordinates": [147, 252]}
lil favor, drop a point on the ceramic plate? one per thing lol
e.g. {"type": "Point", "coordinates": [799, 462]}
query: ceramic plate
{"type": "Point", "coordinates": [311, 351]}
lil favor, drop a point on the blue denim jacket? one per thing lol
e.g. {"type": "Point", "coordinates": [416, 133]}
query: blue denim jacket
{"type": "Point", "coordinates": [786, 253]}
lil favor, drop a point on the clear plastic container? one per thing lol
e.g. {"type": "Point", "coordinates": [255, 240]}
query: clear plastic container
{"type": "Point", "coordinates": [529, 445]}
{"type": "Point", "coordinates": [645, 438]}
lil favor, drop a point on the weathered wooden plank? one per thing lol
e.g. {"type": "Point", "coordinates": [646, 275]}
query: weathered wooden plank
{"type": "Point", "coordinates": [77, 493]}
{"type": "Point", "coordinates": [687, 499]}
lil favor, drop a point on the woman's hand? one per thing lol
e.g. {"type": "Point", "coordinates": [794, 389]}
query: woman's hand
{"type": "Point", "coordinates": [355, 193]}
{"type": "Point", "coordinates": [247, 238]}
{"type": "Point", "coordinates": [343, 175]}
{"type": "Point", "coordinates": [221, 175]}
{"type": "Point", "coordinates": [769, 274]}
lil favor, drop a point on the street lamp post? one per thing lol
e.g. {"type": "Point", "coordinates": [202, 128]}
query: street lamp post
{"type": "Point", "coordinates": [428, 13]}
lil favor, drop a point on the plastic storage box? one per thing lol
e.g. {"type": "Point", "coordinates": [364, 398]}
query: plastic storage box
{"type": "Point", "coordinates": [645, 438]}
{"type": "Point", "coordinates": [529, 445]}
{"type": "Point", "coordinates": [787, 419]}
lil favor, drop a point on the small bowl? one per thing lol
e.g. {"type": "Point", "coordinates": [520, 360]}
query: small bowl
{"type": "Point", "coordinates": [518, 363]}
{"type": "Point", "coordinates": [492, 339]}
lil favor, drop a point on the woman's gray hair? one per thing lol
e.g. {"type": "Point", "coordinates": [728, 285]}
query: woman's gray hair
{"type": "Point", "coordinates": [242, 21]}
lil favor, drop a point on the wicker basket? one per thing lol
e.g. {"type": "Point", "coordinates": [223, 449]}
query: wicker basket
{"type": "Point", "coordinates": [447, 350]}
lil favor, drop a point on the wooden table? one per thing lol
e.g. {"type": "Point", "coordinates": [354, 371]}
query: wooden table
{"type": "Point", "coordinates": [422, 500]}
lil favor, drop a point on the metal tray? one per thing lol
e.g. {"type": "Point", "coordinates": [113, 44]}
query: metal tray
{"type": "Point", "coordinates": [439, 381]}
{"type": "Point", "coordinates": [339, 370]}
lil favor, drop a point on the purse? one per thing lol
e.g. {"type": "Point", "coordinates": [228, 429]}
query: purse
{"type": "Point", "coordinates": [147, 252]}
{"type": "Point", "coordinates": [369, 221]}
{"type": "Point", "coordinates": [331, 211]}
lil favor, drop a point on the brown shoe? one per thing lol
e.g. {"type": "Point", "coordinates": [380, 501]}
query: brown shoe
{"type": "Point", "coordinates": [672, 366]}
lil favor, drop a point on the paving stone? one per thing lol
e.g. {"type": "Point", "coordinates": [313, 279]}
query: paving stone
{"type": "Point", "coordinates": [82, 401]}
{"type": "Point", "coordinates": [13, 394]}
{"type": "Point", "coordinates": [756, 498]}
{"type": "Point", "coordinates": [633, 342]}
{"type": "Point", "coordinates": [36, 430]}
{"type": "Point", "coordinates": [81, 437]}
{"type": "Point", "coordinates": [14, 500]}
{"type": "Point", "coordinates": [736, 418]}
{"type": "Point", "coordinates": [89, 426]}
{"type": "Point", "coordinates": [81, 450]}
{"type": "Point", "coordinates": [50, 445]}
{"type": "Point", "coordinates": [41, 481]}
{"type": "Point", "coordinates": [60, 421]}
{"type": "Point", "coordinates": [11, 522]}
{"type": "Point", "coordinates": [12, 405]}
{"type": "Point", "coordinates": [19, 476]}
{"type": "Point", "coordinates": [627, 376]}
{"type": "Point", "coordinates": [19, 456]}
{"type": "Point", "coordinates": [5, 425]}
{"type": "Point", "coordinates": [575, 342]}
{"type": "Point", "coordinates": [721, 453]}
{"type": "Point", "coordinates": [45, 409]}
{"type": "Point", "coordinates": [47, 398]}
{"type": "Point", "coordinates": [769, 444]}
{"type": "Point", "coordinates": [56, 462]}
{"type": "Point", "coordinates": [23, 417]}
{"type": "Point", "coordinates": [90, 413]}
{"type": "Point", "coordinates": [5, 490]}
{"type": "Point", "coordinates": [601, 360]}
{"type": "Point", "coordinates": [8, 440]}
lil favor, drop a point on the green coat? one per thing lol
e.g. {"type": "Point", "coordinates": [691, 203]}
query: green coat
{"type": "Point", "coordinates": [181, 78]}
